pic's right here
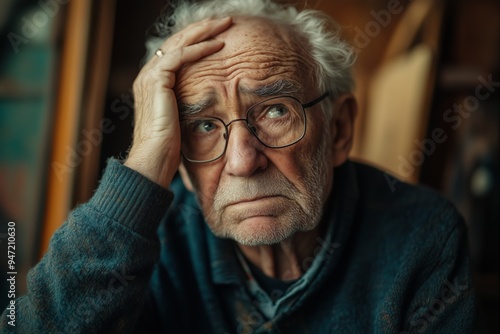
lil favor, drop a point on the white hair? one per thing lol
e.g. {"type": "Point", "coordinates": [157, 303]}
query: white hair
{"type": "Point", "coordinates": [332, 56]}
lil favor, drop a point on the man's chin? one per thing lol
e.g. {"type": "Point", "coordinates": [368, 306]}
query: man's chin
{"type": "Point", "coordinates": [260, 230]}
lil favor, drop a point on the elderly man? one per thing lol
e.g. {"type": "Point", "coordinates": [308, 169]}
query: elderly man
{"type": "Point", "coordinates": [271, 229]}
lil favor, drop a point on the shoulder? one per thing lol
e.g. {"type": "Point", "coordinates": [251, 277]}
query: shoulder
{"type": "Point", "coordinates": [407, 248]}
{"type": "Point", "coordinates": [383, 195]}
{"type": "Point", "coordinates": [413, 223]}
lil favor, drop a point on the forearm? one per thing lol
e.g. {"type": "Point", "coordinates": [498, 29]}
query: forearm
{"type": "Point", "coordinates": [96, 273]}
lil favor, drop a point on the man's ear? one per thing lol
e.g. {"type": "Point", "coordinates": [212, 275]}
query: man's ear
{"type": "Point", "coordinates": [342, 127]}
{"type": "Point", "coordinates": [185, 177]}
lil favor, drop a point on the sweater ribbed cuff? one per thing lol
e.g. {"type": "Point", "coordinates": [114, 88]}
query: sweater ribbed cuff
{"type": "Point", "coordinates": [131, 199]}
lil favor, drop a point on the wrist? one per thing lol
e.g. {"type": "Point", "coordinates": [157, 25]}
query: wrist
{"type": "Point", "coordinates": [160, 170]}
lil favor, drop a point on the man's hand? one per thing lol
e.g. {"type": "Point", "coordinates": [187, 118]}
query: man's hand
{"type": "Point", "coordinates": [155, 151]}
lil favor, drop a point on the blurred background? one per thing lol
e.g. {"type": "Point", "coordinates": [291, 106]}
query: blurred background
{"type": "Point", "coordinates": [427, 85]}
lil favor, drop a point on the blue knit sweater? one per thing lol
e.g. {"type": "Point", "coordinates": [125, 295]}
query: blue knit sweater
{"type": "Point", "coordinates": [137, 259]}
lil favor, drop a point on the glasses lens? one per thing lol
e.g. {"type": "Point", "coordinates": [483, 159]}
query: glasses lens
{"type": "Point", "coordinates": [277, 122]}
{"type": "Point", "coordinates": [202, 138]}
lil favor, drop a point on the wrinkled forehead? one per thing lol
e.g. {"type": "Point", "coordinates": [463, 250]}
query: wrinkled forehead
{"type": "Point", "coordinates": [255, 50]}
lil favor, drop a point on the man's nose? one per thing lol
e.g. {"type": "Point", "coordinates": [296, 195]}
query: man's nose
{"type": "Point", "coordinates": [244, 152]}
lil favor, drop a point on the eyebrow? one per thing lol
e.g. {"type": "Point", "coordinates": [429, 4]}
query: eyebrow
{"type": "Point", "coordinates": [276, 88]}
{"type": "Point", "coordinates": [279, 87]}
{"type": "Point", "coordinates": [187, 109]}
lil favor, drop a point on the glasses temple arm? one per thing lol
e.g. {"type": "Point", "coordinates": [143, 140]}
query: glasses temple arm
{"type": "Point", "coordinates": [313, 102]}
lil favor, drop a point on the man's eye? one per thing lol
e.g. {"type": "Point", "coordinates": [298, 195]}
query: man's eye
{"type": "Point", "coordinates": [276, 111]}
{"type": "Point", "coordinates": [204, 126]}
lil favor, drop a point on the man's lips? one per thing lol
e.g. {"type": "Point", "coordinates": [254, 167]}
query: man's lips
{"type": "Point", "coordinates": [255, 199]}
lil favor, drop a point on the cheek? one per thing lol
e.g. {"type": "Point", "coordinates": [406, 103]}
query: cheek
{"type": "Point", "coordinates": [294, 163]}
{"type": "Point", "coordinates": [205, 181]}
{"type": "Point", "coordinates": [312, 144]}
{"type": "Point", "coordinates": [320, 133]}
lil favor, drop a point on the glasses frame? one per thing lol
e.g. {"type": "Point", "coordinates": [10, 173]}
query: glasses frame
{"type": "Point", "coordinates": [252, 130]}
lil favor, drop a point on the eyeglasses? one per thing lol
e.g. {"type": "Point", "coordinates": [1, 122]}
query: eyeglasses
{"type": "Point", "coordinates": [276, 122]}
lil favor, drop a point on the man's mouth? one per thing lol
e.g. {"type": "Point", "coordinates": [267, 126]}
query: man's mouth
{"type": "Point", "coordinates": [256, 199]}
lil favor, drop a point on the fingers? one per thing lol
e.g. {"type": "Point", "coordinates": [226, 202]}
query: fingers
{"type": "Point", "coordinates": [196, 33]}
{"type": "Point", "coordinates": [188, 45]}
{"type": "Point", "coordinates": [175, 59]}
{"type": "Point", "coordinates": [193, 34]}
{"type": "Point", "coordinates": [162, 71]}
